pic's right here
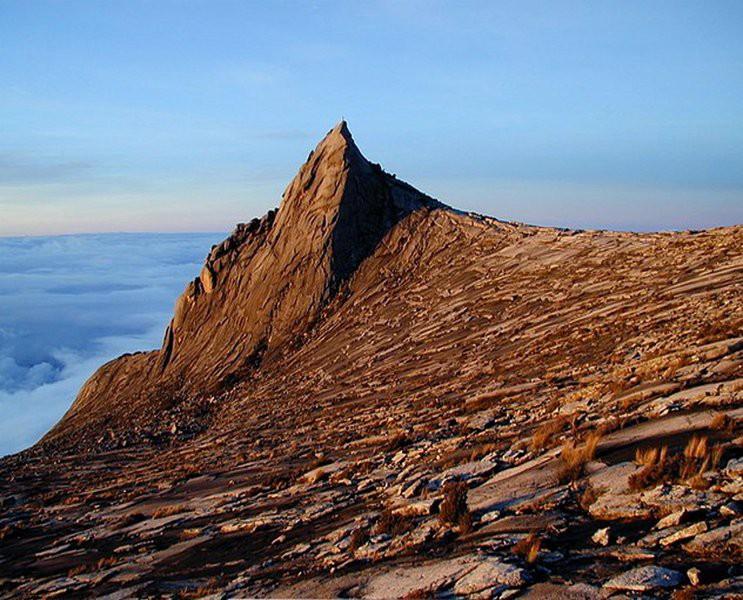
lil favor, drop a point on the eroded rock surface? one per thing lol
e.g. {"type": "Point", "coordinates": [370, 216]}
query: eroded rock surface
{"type": "Point", "coordinates": [367, 393]}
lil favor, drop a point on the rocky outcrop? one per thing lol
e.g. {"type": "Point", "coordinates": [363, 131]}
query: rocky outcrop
{"type": "Point", "coordinates": [261, 288]}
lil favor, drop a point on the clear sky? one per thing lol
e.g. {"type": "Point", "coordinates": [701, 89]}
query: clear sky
{"type": "Point", "coordinates": [193, 115]}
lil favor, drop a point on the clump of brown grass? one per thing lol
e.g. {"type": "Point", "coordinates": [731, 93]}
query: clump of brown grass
{"type": "Point", "coordinates": [720, 329]}
{"type": "Point", "coordinates": [722, 422]}
{"type": "Point", "coordinates": [528, 548]}
{"type": "Point", "coordinates": [421, 594]}
{"type": "Point", "coordinates": [391, 523]}
{"type": "Point", "coordinates": [675, 364]}
{"type": "Point", "coordinates": [687, 593]}
{"type": "Point", "coordinates": [92, 567]}
{"type": "Point", "coordinates": [543, 435]}
{"type": "Point", "coordinates": [573, 459]}
{"type": "Point", "coordinates": [463, 455]}
{"type": "Point", "coordinates": [131, 519]}
{"type": "Point", "coordinates": [359, 537]}
{"type": "Point", "coordinates": [483, 450]}
{"type": "Point", "coordinates": [454, 509]}
{"type": "Point", "coordinates": [207, 588]}
{"type": "Point", "coordinates": [588, 497]}
{"type": "Point", "coordinates": [167, 511]}
{"type": "Point", "coordinates": [646, 457]}
{"type": "Point", "coordinates": [697, 458]}
{"type": "Point", "coordinates": [6, 531]}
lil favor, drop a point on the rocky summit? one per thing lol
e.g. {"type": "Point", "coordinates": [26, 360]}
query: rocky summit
{"type": "Point", "coordinates": [366, 393]}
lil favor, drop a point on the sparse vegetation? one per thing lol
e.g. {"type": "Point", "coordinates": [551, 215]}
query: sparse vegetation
{"type": "Point", "coordinates": [573, 458]}
{"type": "Point", "coordinates": [588, 496]}
{"type": "Point", "coordinates": [391, 523]}
{"type": "Point", "coordinates": [358, 538]}
{"type": "Point", "coordinates": [168, 511]}
{"type": "Point", "coordinates": [454, 509]}
{"type": "Point", "coordinates": [543, 435]}
{"type": "Point", "coordinates": [99, 565]}
{"type": "Point", "coordinates": [6, 531]}
{"type": "Point", "coordinates": [205, 589]}
{"type": "Point", "coordinates": [697, 458]}
{"type": "Point", "coordinates": [722, 422]}
{"type": "Point", "coordinates": [396, 442]}
{"type": "Point", "coordinates": [131, 519]}
{"type": "Point", "coordinates": [528, 548]}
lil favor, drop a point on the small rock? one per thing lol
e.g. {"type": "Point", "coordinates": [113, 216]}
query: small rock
{"type": "Point", "coordinates": [416, 509]}
{"type": "Point", "coordinates": [602, 537]}
{"type": "Point", "coordinates": [731, 509]}
{"type": "Point", "coordinates": [694, 575]}
{"type": "Point", "coordinates": [490, 516]}
{"type": "Point", "coordinates": [645, 579]}
{"type": "Point", "coordinates": [674, 518]}
{"type": "Point", "coordinates": [684, 534]}
{"type": "Point", "coordinates": [412, 489]}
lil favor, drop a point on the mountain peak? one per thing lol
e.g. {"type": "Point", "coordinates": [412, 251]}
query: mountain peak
{"type": "Point", "coordinates": [267, 283]}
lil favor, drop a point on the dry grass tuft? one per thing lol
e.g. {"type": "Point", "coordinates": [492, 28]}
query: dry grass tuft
{"type": "Point", "coordinates": [168, 511]}
{"type": "Point", "coordinates": [723, 422]}
{"type": "Point", "coordinates": [588, 497]}
{"type": "Point", "coordinates": [453, 509]}
{"type": "Point", "coordinates": [545, 432]}
{"type": "Point", "coordinates": [573, 459]}
{"type": "Point", "coordinates": [392, 524]}
{"type": "Point", "coordinates": [92, 567]}
{"type": "Point", "coordinates": [697, 458]}
{"type": "Point", "coordinates": [359, 537]}
{"type": "Point", "coordinates": [646, 457]}
{"type": "Point", "coordinates": [687, 593]}
{"type": "Point", "coordinates": [396, 442]}
{"type": "Point", "coordinates": [528, 548]}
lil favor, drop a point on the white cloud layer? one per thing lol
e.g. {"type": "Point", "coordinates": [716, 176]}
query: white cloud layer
{"type": "Point", "coordinates": [70, 303]}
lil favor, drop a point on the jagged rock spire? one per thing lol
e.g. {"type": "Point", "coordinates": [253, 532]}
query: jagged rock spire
{"type": "Point", "coordinates": [268, 282]}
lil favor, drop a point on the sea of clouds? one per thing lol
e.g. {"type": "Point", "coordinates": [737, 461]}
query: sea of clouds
{"type": "Point", "coordinates": [70, 303]}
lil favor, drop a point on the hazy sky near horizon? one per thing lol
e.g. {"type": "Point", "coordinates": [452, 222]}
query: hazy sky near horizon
{"type": "Point", "coordinates": [68, 304]}
{"type": "Point", "coordinates": [193, 115]}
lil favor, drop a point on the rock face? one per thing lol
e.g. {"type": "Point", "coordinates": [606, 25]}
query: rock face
{"type": "Point", "coordinates": [339, 362]}
{"type": "Point", "coordinates": [261, 288]}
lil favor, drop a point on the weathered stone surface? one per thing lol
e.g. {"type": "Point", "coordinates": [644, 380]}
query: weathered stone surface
{"type": "Point", "coordinates": [645, 579]}
{"type": "Point", "coordinates": [430, 577]}
{"type": "Point", "coordinates": [728, 538]}
{"type": "Point", "coordinates": [417, 509]}
{"type": "Point", "coordinates": [684, 534]}
{"type": "Point", "coordinates": [672, 519]}
{"type": "Point", "coordinates": [612, 507]}
{"type": "Point", "coordinates": [488, 573]}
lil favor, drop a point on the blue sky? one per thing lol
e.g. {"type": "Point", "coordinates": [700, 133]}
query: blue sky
{"type": "Point", "coordinates": [194, 115]}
